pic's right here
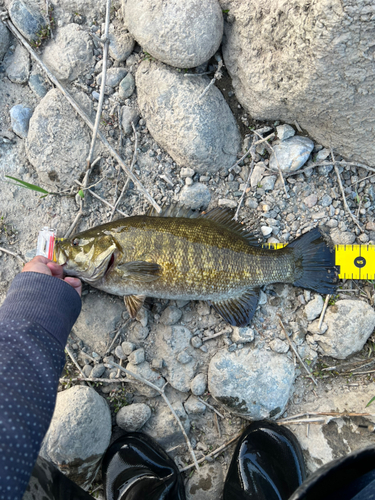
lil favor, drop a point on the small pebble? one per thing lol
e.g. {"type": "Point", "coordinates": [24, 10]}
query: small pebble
{"type": "Point", "coordinates": [196, 342]}
{"type": "Point", "coordinates": [127, 347]}
{"type": "Point", "coordinates": [119, 352]}
{"type": "Point", "coordinates": [184, 358]}
{"type": "Point", "coordinates": [199, 384]}
{"type": "Point", "coordinates": [98, 370]}
{"type": "Point", "coordinates": [137, 357]}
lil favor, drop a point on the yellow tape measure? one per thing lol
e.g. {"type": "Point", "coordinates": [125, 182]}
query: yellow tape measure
{"type": "Point", "coordinates": [355, 262]}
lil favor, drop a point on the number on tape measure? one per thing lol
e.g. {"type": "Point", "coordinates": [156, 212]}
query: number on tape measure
{"type": "Point", "coordinates": [357, 262]}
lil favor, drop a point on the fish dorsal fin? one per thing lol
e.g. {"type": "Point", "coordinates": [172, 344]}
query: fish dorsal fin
{"type": "Point", "coordinates": [133, 304]}
{"type": "Point", "coordinates": [238, 311]}
{"type": "Point", "coordinates": [174, 210]}
{"type": "Point", "coordinates": [140, 270]}
{"type": "Point", "coordinates": [224, 216]}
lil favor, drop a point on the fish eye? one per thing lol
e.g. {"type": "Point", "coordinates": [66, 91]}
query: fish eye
{"type": "Point", "coordinates": [75, 242]}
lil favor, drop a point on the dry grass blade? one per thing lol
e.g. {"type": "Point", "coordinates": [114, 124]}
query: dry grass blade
{"type": "Point", "coordinates": [82, 114]}
{"type": "Point", "coordinates": [296, 352]}
{"type": "Point", "coordinates": [131, 169]}
{"type": "Point", "coordinates": [343, 193]}
{"type": "Point", "coordinates": [252, 152]}
{"type": "Point", "coordinates": [163, 395]}
{"type": "Point", "coordinates": [270, 148]}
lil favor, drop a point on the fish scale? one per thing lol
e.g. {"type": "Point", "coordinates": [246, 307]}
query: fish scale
{"type": "Point", "coordinates": [210, 257]}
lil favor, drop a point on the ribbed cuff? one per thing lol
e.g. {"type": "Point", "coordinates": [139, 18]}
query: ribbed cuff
{"type": "Point", "coordinates": [50, 302]}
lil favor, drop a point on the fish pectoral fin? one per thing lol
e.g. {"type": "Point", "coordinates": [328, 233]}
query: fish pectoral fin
{"type": "Point", "coordinates": [133, 304]}
{"type": "Point", "coordinates": [140, 270]}
{"type": "Point", "coordinates": [238, 311]}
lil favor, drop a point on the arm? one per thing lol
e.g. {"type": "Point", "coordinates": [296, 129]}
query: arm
{"type": "Point", "coordinates": [35, 321]}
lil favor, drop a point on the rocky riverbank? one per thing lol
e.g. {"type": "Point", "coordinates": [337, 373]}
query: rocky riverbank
{"type": "Point", "coordinates": [195, 144]}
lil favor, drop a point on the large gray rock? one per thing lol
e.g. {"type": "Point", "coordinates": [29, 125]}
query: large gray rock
{"type": "Point", "coordinates": [58, 143]}
{"type": "Point", "coordinates": [311, 62]}
{"type": "Point", "coordinates": [172, 344]}
{"type": "Point", "coordinates": [341, 436]}
{"type": "Point", "coordinates": [18, 65]}
{"type": "Point", "coordinates": [79, 434]}
{"type": "Point", "coordinates": [197, 133]}
{"type": "Point", "coordinates": [4, 40]}
{"type": "Point", "coordinates": [182, 33]}
{"type": "Point", "coordinates": [27, 18]}
{"type": "Point", "coordinates": [252, 382]}
{"type": "Point", "coordinates": [350, 323]}
{"type": "Point", "coordinates": [100, 315]}
{"type": "Point", "coordinates": [70, 54]}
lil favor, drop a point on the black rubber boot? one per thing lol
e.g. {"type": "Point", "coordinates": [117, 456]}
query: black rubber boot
{"type": "Point", "coordinates": [342, 479]}
{"type": "Point", "coordinates": [267, 464]}
{"type": "Point", "coordinates": [135, 467]}
{"type": "Point", "coordinates": [47, 482]}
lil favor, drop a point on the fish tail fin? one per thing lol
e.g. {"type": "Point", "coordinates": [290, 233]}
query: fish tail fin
{"type": "Point", "coordinates": [316, 263]}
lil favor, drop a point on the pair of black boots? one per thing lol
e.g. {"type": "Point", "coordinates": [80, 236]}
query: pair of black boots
{"type": "Point", "coordinates": [267, 465]}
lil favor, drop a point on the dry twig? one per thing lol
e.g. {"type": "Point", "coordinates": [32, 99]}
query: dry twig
{"type": "Point", "coordinates": [323, 311]}
{"type": "Point", "coordinates": [101, 199]}
{"type": "Point", "coordinates": [12, 254]}
{"type": "Point", "coordinates": [210, 407]}
{"type": "Point", "coordinates": [96, 125]}
{"type": "Point", "coordinates": [252, 152]}
{"type": "Point", "coordinates": [217, 76]}
{"type": "Point", "coordinates": [215, 336]}
{"type": "Point", "coordinates": [343, 193]}
{"type": "Point", "coordinates": [82, 113]}
{"type": "Point", "coordinates": [213, 453]}
{"type": "Point", "coordinates": [270, 148]}
{"type": "Point", "coordinates": [102, 87]}
{"type": "Point", "coordinates": [91, 379]}
{"type": "Point", "coordinates": [131, 170]}
{"type": "Point", "coordinates": [117, 334]}
{"type": "Point", "coordinates": [296, 352]}
{"type": "Point", "coordinates": [67, 348]}
{"type": "Point", "coordinates": [163, 395]}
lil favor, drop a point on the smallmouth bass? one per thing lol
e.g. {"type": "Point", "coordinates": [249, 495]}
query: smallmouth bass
{"type": "Point", "coordinates": [182, 255]}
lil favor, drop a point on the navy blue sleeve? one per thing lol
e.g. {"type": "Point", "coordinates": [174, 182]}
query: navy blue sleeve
{"type": "Point", "coordinates": [35, 320]}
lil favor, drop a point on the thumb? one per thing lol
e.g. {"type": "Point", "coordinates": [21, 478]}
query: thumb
{"type": "Point", "coordinates": [75, 283]}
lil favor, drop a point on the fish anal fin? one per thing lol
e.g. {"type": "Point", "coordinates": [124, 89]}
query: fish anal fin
{"type": "Point", "coordinates": [238, 311]}
{"type": "Point", "coordinates": [133, 304]}
{"type": "Point", "coordinates": [140, 270]}
{"type": "Point", "coordinates": [224, 216]}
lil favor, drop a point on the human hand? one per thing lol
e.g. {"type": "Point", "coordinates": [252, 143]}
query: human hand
{"type": "Point", "coordinates": [40, 264]}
